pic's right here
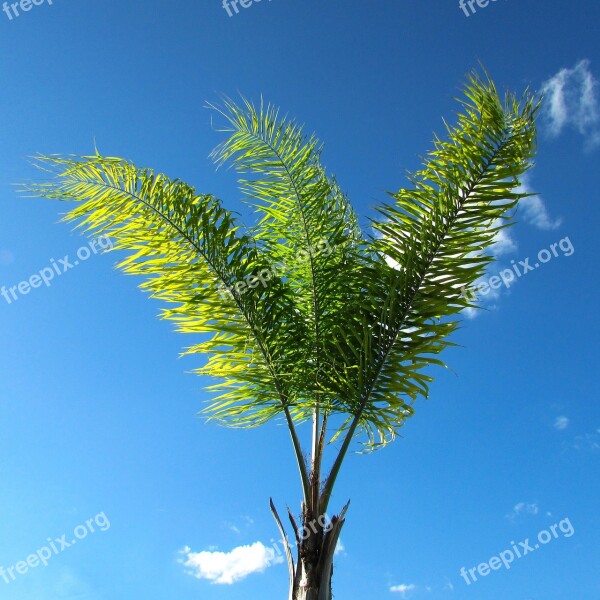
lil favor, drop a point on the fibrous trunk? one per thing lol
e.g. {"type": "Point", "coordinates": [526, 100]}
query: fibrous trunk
{"type": "Point", "coordinates": [315, 541]}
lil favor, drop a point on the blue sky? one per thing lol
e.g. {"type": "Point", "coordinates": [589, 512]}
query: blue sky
{"type": "Point", "coordinates": [98, 412]}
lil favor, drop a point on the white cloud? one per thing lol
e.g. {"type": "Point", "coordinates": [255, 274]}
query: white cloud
{"type": "Point", "coordinates": [571, 100]}
{"type": "Point", "coordinates": [524, 508]}
{"type": "Point", "coordinates": [403, 588]}
{"type": "Point", "coordinates": [504, 243]}
{"type": "Point", "coordinates": [536, 213]}
{"type": "Point", "coordinates": [229, 567]}
{"type": "Point", "coordinates": [237, 527]}
{"type": "Point", "coordinates": [589, 441]}
{"type": "Point", "coordinates": [561, 422]}
{"type": "Point", "coordinates": [534, 209]}
{"type": "Point", "coordinates": [339, 547]}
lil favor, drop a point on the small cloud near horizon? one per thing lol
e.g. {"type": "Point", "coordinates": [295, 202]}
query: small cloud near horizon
{"type": "Point", "coordinates": [403, 589]}
{"type": "Point", "coordinates": [524, 508]}
{"type": "Point", "coordinates": [229, 567]}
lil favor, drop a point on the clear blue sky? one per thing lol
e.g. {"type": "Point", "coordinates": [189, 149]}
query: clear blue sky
{"type": "Point", "coordinates": [97, 410]}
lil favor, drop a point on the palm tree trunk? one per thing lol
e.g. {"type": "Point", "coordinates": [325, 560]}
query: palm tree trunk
{"type": "Point", "coordinates": [316, 541]}
{"type": "Point", "coordinates": [316, 559]}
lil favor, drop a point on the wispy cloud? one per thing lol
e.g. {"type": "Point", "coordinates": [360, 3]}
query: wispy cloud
{"type": "Point", "coordinates": [534, 208]}
{"type": "Point", "coordinates": [561, 423]}
{"type": "Point", "coordinates": [339, 547]}
{"type": "Point", "coordinates": [536, 213]}
{"type": "Point", "coordinates": [404, 589]}
{"type": "Point", "coordinates": [504, 243]}
{"type": "Point", "coordinates": [533, 211]}
{"type": "Point", "coordinates": [572, 101]}
{"type": "Point", "coordinates": [237, 527]}
{"type": "Point", "coordinates": [589, 441]}
{"type": "Point", "coordinates": [229, 567]}
{"type": "Point", "coordinates": [523, 508]}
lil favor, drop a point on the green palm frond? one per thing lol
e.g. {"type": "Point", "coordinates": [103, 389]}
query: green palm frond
{"type": "Point", "coordinates": [437, 233]}
{"type": "Point", "coordinates": [345, 323]}
{"type": "Point", "coordinates": [302, 213]}
{"type": "Point", "coordinates": [432, 241]}
{"type": "Point", "coordinates": [193, 255]}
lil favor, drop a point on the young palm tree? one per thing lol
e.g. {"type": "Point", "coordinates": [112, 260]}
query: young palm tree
{"type": "Point", "coordinates": [303, 316]}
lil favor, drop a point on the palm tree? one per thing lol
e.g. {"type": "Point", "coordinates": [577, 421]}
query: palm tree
{"type": "Point", "coordinates": [304, 317]}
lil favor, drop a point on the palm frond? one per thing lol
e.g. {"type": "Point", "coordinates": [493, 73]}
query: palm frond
{"type": "Point", "coordinates": [343, 323]}
{"type": "Point", "coordinates": [432, 241]}
{"type": "Point", "coordinates": [305, 222]}
{"type": "Point", "coordinates": [193, 255]}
